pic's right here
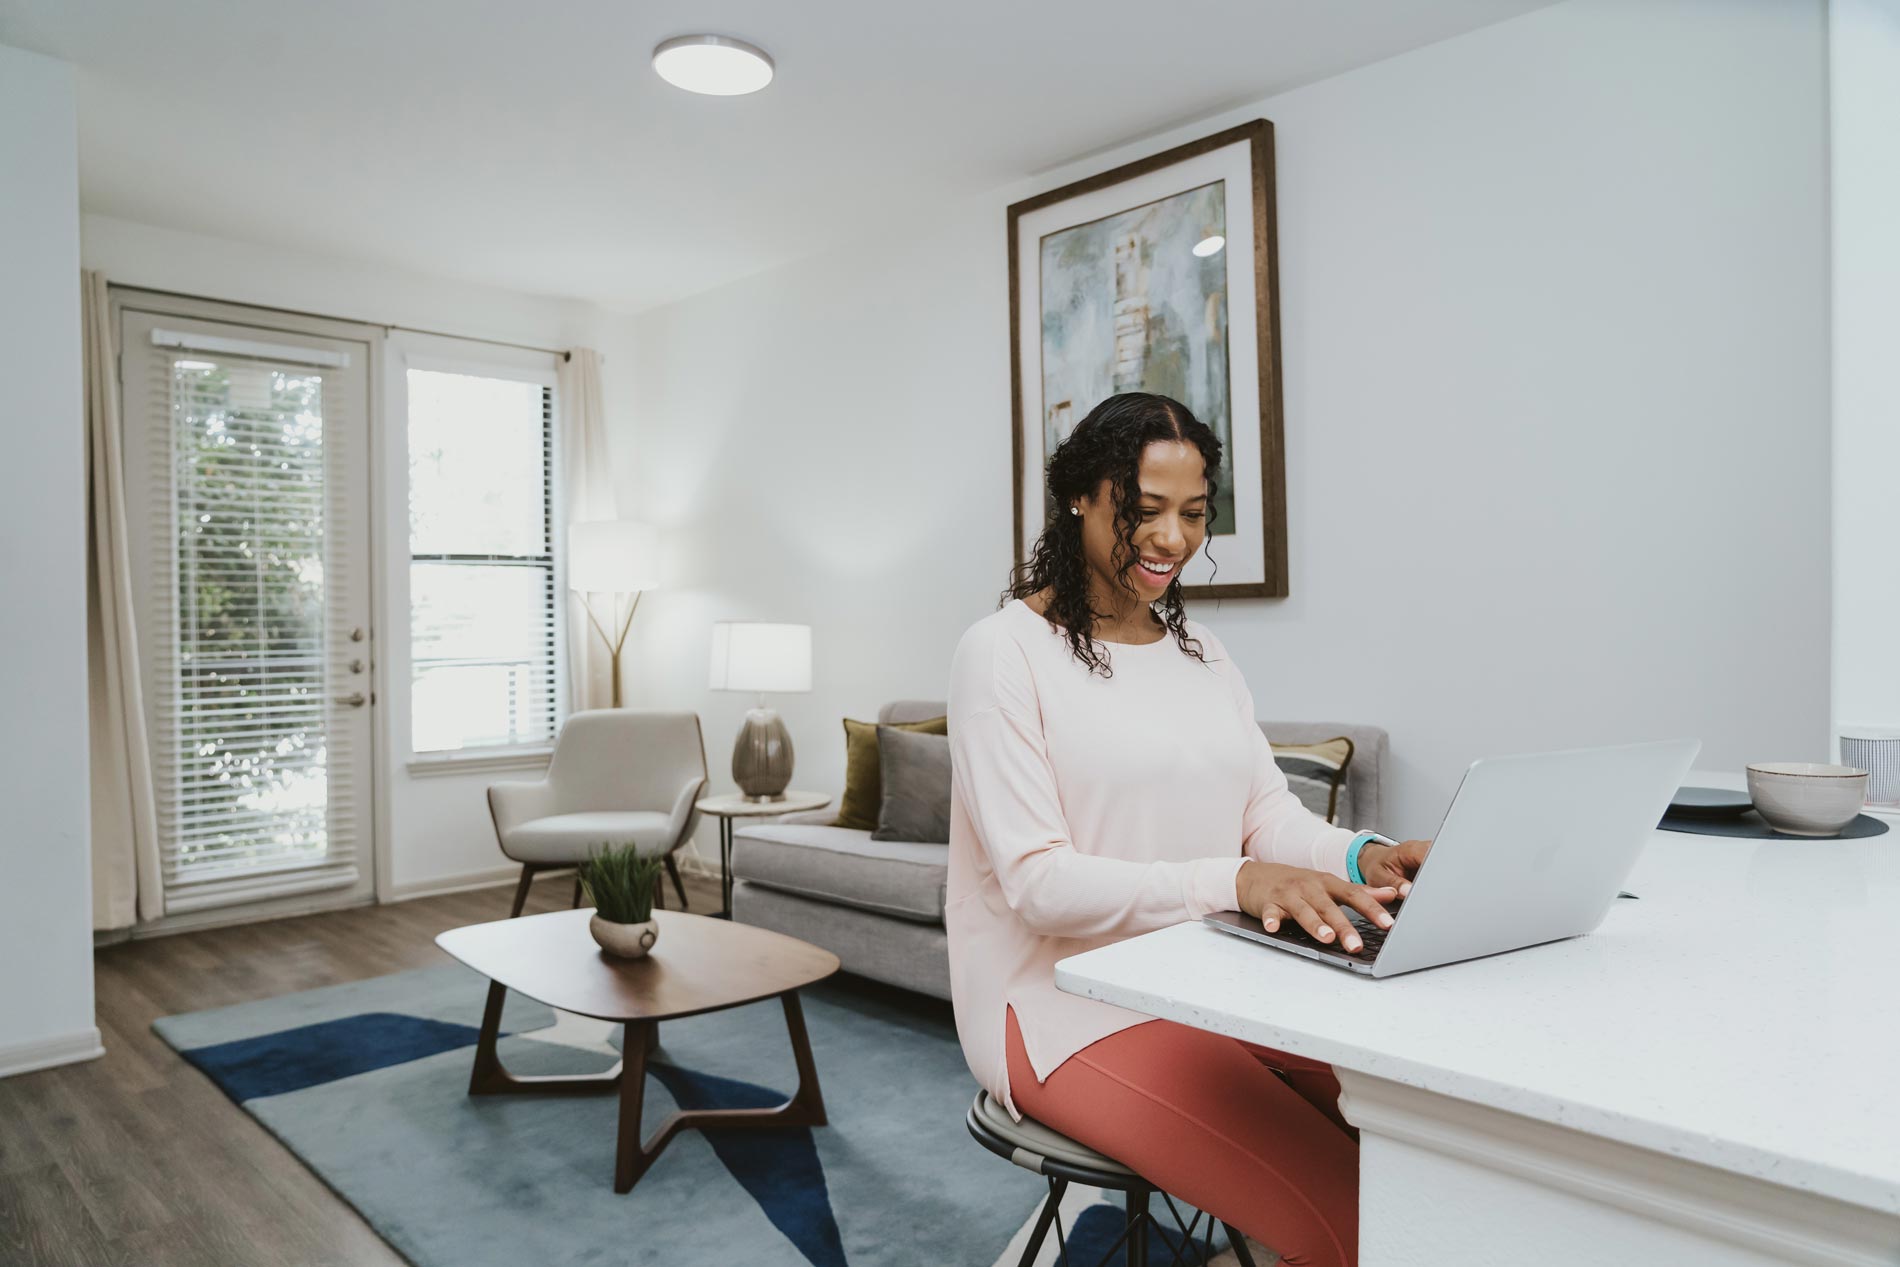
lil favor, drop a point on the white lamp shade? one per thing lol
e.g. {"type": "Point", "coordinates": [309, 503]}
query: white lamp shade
{"type": "Point", "coordinates": [753, 655]}
{"type": "Point", "coordinates": [612, 556]}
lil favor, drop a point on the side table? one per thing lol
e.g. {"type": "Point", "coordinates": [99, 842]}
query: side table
{"type": "Point", "coordinates": [733, 805]}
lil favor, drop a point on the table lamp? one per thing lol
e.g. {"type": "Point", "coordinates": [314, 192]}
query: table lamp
{"type": "Point", "coordinates": [617, 557]}
{"type": "Point", "coordinates": [757, 656]}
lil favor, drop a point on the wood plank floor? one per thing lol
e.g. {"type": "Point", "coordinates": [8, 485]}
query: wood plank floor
{"type": "Point", "coordinates": [137, 1159]}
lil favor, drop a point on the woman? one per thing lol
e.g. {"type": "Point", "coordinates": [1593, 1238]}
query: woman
{"type": "Point", "coordinates": [1109, 779]}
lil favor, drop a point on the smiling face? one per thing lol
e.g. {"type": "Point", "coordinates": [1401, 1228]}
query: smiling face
{"type": "Point", "coordinates": [1172, 525]}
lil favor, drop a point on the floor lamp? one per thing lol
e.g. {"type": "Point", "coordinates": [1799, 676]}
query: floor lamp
{"type": "Point", "coordinates": [616, 557]}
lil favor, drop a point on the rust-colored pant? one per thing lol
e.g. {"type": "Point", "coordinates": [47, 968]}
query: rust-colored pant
{"type": "Point", "coordinates": [1251, 1135]}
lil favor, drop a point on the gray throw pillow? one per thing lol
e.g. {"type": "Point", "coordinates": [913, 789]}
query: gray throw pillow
{"type": "Point", "coordinates": [915, 769]}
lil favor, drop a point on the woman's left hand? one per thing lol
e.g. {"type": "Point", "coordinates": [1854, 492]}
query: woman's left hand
{"type": "Point", "coordinates": [1392, 865]}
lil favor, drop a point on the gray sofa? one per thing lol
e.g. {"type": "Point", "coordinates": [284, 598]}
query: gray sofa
{"type": "Point", "coordinates": [878, 904]}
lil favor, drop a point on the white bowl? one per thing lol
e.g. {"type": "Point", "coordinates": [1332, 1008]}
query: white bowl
{"type": "Point", "coordinates": [1801, 798]}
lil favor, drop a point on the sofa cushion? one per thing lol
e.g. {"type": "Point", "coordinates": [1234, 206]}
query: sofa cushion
{"type": "Point", "coordinates": [842, 865]}
{"type": "Point", "coordinates": [863, 786]}
{"type": "Point", "coordinates": [574, 837]}
{"type": "Point", "coordinates": [915, 770]}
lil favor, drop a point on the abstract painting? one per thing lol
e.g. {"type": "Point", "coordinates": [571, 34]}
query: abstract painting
{"type": "Point", "coordinates": [1160, 276]}
{"type": "Point", "coordinates": [1130, 304]}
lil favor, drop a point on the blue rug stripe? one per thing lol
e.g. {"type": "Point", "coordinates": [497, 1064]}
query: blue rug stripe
{"type": "Point", "coordinates": [311, 1055]}
{"type": "Point", "coordinates": [778, 1167]}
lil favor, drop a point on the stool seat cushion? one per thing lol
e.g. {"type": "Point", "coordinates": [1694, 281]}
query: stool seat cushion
{"type": "Point", "coordinates": [1034, 1141]}
{"type": "Point", "coordinates": [566, 838]}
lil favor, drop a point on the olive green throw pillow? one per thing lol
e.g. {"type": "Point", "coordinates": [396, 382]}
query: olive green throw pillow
{"type": "Point", "coordinates": [863, 785]}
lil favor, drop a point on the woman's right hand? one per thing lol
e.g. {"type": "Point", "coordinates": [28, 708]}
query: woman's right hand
{"type": "Point", "coordinates": [1273, 891]}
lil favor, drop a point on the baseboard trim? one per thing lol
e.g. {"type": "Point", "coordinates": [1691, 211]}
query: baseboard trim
{"type": "Point", "coordinates": [462, 882]}
{"type": "Point", "coordinates": [45, 1053]}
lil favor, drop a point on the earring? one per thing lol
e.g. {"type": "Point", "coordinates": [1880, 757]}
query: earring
{"type": "Point", "coordinates": [1075, 510]}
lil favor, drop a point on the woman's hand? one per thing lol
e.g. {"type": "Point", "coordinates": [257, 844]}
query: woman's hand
{"type": "Point", "coordinates": [1393, 865]}
{"type": "Point", "coordinates": [1272, 891]}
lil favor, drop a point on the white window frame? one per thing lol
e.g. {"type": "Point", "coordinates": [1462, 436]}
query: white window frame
{"type": "Point", "coordinates": [406, 351]}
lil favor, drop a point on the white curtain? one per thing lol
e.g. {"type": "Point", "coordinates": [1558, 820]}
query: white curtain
{"type": "Point", "coordinates": [588, 480]}
{"type": "Point", "coordinates": [127, 883]}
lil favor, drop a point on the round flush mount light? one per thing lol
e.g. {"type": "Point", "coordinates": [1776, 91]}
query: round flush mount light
{"type": "Point", "coordinates": [1209, 246]}
{"type": "Point", "coordinates": [716, 65]}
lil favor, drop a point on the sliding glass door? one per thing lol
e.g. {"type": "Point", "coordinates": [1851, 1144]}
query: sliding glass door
{"type": "Point", "coordinates": [247, 450]}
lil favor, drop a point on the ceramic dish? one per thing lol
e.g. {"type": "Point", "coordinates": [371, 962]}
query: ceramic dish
{"type": "Point", "coordinates": [1710, 802]}
{"type": "Point", "coordinates": [1802, 798]}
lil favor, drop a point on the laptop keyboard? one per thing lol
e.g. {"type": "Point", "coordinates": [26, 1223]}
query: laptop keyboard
{"type": "Point", "coordinates": [1371, 937]}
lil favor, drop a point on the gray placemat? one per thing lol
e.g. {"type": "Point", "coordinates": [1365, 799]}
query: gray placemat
{"type": "Point", "coordinates": [1752, 826]}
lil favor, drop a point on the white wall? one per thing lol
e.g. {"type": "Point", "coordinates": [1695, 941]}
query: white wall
{"type": "Point", "coordinates": [46, 1013]}
{"type": "Point", "coordinates": [1864, 78]}
{"type": "Point", "coordinates": [437, 834]}
{"type": "Point", "coordinates": [1555, 308]}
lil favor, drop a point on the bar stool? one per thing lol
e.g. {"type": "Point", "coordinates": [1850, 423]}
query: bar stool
{"type": "Point", "coordinates": [1061, 1161]}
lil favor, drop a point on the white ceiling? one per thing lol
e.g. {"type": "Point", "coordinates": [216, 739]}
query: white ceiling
{"type": "Point", "coordinates": [532, 146]}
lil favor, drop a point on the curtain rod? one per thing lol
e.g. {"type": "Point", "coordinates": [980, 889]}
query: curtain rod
{"type": "Point", "coordinates": [563, 353]}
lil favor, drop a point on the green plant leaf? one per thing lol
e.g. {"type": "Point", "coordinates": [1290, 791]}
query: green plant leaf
{"type": "Point", "coordinates": [620, 883]}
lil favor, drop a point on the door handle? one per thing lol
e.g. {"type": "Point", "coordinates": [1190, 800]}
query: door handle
{"type": "Point", "coordinates": [355, 699]}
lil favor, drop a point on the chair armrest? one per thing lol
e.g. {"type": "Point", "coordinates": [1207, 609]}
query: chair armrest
{"type": "Point", "coordinates": [684, 820]}
{"type": "Point", "coordinates": [511, 804]}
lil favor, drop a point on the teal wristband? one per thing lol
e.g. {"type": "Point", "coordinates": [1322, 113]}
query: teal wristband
{"type": "Point", "coordinates": [1359, 842]}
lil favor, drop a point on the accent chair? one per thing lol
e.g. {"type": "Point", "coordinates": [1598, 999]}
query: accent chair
{"type": "Point", "coordinates": [618, 775]}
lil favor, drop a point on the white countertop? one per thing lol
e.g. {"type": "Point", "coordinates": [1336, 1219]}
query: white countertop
{"type": "Point", "coordinates": [1743, 1013]}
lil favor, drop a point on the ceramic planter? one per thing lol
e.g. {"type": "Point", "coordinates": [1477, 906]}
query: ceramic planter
{"type": "Point", "coordinates": [624, 941]}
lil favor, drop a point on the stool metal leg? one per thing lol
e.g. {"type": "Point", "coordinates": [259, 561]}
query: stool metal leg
{"type": "Point", "coordinates": [1056, 1188]}
{"type": "Point", "coordinates": [1239, 1243]}
{"type": "Point", "coordinates": [1137, 1227]}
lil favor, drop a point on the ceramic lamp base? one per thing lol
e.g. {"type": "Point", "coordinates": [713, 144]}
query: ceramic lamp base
{"type": "Point", "coordinates": [762, 757]}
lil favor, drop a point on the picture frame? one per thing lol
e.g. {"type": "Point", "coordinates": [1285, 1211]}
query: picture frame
{"type": "Point", "coordinates": [1114, 286]}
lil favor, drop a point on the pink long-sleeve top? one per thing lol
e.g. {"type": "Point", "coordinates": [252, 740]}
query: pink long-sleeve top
{"type": "Point", "coordinates": [1085, 810]}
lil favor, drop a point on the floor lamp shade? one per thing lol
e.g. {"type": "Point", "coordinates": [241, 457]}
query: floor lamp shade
{"type": "Point", "coordinates": [759, 656]}
{"type": "Point", "coordinates": [612, 556]}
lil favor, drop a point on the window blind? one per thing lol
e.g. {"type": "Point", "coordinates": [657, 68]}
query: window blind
{"type": "Point", "coordinates": [485, 623]}
{"type": "Point", "coordinates": [256, 766]}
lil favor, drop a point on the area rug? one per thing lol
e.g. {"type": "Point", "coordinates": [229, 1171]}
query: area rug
{"type": "Point", "coordinates": [367, 1084]}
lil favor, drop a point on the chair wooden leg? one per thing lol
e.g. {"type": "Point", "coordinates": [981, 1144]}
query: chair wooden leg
{"type": "Point", "coordinates": [673, 872]}
{"type": "Point", "coordinates": [521, 889]}
{"type": "Point", "coordinates": [659, 893]}
{"type": "Point", "coordinates": [577, 890]}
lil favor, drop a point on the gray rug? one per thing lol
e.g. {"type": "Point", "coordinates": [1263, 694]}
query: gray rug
{"type": "Point", "coordinates": [367, 1084]}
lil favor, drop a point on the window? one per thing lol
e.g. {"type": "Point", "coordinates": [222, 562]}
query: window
{"type": "Point", "coordinates": [485, 631]}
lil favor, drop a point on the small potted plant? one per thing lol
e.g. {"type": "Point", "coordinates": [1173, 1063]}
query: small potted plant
{"type": "Point", "coordinates": [620, 884]}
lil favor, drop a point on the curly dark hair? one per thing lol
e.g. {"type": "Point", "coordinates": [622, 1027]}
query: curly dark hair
{"type": "Point", "coordinates": [1107, 445]}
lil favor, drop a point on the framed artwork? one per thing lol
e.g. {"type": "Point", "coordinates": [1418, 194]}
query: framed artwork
{"type": "Point", "coordinates": [1160, 276]}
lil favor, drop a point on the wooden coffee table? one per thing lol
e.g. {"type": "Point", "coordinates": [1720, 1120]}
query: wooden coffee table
{"type": "Point", "coordinates": [698, 965]}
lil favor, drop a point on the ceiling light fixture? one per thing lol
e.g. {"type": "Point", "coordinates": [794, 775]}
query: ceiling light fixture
{"type": "Point", "coordinates": [713, 64]}
{"type": "Point", "coordinates": [1209, 245]}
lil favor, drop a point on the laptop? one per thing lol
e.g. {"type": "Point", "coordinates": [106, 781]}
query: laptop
{"type": "Point", "coordinates": [1534, 849]}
